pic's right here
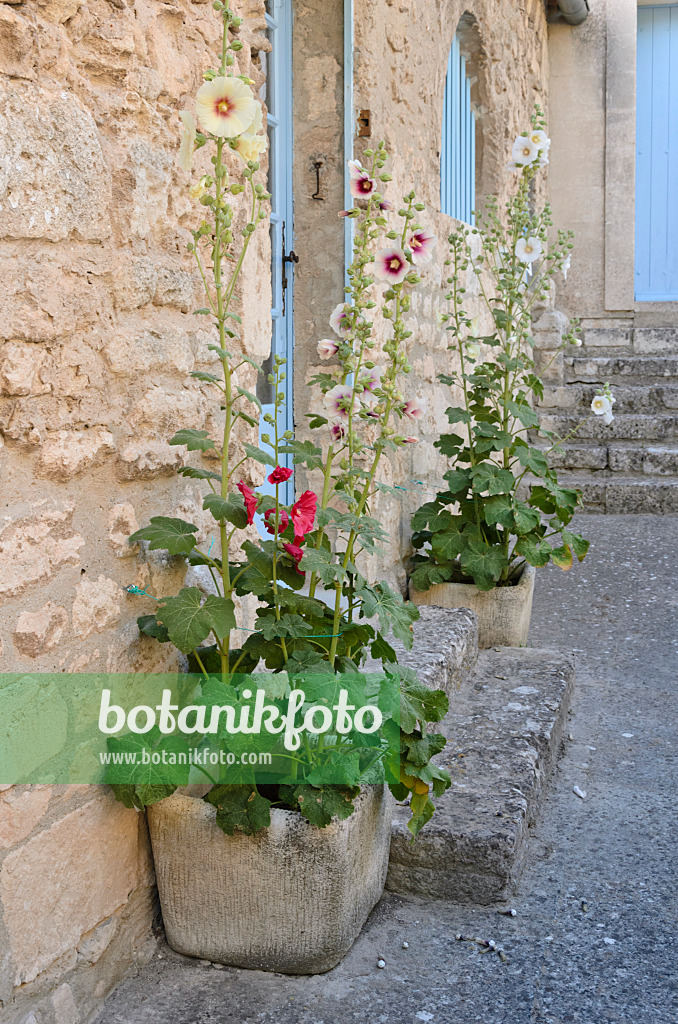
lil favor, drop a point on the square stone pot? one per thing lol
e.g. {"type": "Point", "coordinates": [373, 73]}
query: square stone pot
{"type": "Point", "coordinates": [503, 613]}
{"type": "Point", "coordinates": [292, 898]}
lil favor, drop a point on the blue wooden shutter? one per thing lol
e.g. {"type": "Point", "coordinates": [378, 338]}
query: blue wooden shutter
{"type": "Point", "coordinates": [656, 269]}
{"type": "Point", "coordinates": [458, 145]}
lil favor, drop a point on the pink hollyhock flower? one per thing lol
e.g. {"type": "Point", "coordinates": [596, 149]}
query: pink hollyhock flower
{"type": "Point", "coordinates": [296, 553]}
{"type": "Point", "coordinates": [340, 321]}
{"type": "Point", "coordinates": [303, 514]}
{"type": "Point", "coordinates": [327, 348]}
{"type": "Point", "coordinates": [370, 380]}
{"type": "Point", "coordinates": [391, 265]}
{"type": "Point", "coordinates": [269, 520]}
{"type": "Point", "coordinates": [337, 431]}
{"type": "Point", "coordinates": [413, 409]}
{"type": "Point", "coordinates": [337, 402]}
{"type": "Point", "coordinates": [279, 475]}
{"type": "Point", "coordinates": [422, 244]}
{"type": "Point", "coordinates": [250, 500]}
{"type": "Point", "coordinates": [410, 440]}
{"type": "Point", "coordinates": [362, 186]}
{"type": "Point", "coordinates": [385, 205]}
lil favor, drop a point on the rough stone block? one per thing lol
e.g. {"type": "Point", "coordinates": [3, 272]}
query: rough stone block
{"type": "Point", "coordinates": [66, 453]}
{"type": "Point", "coordinates": [122, 523]}
{"type": "Point", "coordinates": [18, 51]}
{"type": "Point", "coordinates": [19, 369]}
{"type": "Point", "coordinates": [35, 547]}
{"type": "Point", "coordinates": [655, 340]}
{"type": "Point", "coordinates": [141, 460]}
{"type": "Point", "coordinates": [504, 731]}
{"type": "Point", "coordinates": [608, 337]}
{"type": "Point", "coordinates": [62, 883]}
{"type": "Point", "coordinates": [21, 808]}
{"type": "Point", "coordinates": [97, 605]}
{"type": "Point", "coordinates": [38, 632]}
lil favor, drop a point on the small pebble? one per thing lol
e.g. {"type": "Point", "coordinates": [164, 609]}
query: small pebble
{"type": "Point", "coordinates": [218, 967]}
{"type": "Point", "coordinates": [381, 964]}
{"type": "Point", "coordinates": [570, 736]}
{"type": "Point", "coordinates": [205, 963]}
{"type": "Point", "coordinates": [507, 913]}
{"type": "Point", "coordinates": [581, 793]}
{"type": "Point", "coordinates": [406, 945]}
{"type": "Point", "coordinates": [627, 735]}
{"type": "Point", "coordinates": [608, 942]}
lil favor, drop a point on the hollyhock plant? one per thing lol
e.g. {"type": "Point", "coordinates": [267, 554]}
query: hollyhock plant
{"type": "Point", "coordinates": [265, 552]}
{"type": "Point", "coordinates": [502, 506]}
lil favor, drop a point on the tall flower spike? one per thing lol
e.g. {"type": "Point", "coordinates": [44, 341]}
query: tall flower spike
{"type": "Point", "coordinates": [226, 107]}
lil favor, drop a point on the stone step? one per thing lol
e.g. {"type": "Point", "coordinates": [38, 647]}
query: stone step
{"type": "Point", "coordinates": [619, 368]}
{"type": "Point", "coordinates": [638, 340]}
{"type": "Point", "coordinates": [624, 427]}
{"type": "Point", "coordinates": [619, 457]}
{"type": "Point", "coordinates": [617, 493]}
{"type": "Point", "coordinates": [631, 398]}
{"type": "Point", "coordinates": [505, 729]}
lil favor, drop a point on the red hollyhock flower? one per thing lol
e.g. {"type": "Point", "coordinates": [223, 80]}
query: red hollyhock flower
{"type": "Point", "coordinates": [269, 520]}
{"type": "Point", "coordinates": [250, 501]}
{"type": "Point", "coordinates": [296, 553]}
{"type": "Point", "coordinates": [303, 514]}
{"type": "Point", "coordinates": [279, 475]}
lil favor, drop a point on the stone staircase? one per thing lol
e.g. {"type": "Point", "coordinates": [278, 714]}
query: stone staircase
{"type": "Point", "coordinates": [632, 464]}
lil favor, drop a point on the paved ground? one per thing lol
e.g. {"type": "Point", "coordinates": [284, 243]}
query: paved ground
{"type": "Point", "coordinates": [593, 940]}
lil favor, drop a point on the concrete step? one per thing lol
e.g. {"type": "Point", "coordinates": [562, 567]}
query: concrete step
{"type": "Point", "coordinates": [620, 368]}
{"type": "Point", "coordinates": [612, 492]}
{"type": "Point", "coordinates": [629, 398]}
{"type": "Point", "coordinates": [618, 457]}
{"type": "Point", "coordinates": [624, 427]}
{"type": "Point", "coordinates": [505, 729]}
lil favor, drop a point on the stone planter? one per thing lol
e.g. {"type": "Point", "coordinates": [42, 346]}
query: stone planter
{"type": "Point", "coordinates": [291, 899]}
{"type": "Point", "coordinates": [503, 613]}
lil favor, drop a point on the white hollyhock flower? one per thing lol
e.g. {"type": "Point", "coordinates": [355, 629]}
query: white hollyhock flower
{"type": "Point", "coordinates": [601, 406]}
{"type": "Point", "coordinates": [524, 150]}
{"type": "Point", "coordinates": [226, 107]}
{"type": "Point", "coordinates": [327, 348]}
{"type": "Point", "coordinates": [473, 350]}
{"type": "Point", "coordinates": [187, 145]}
{"type": "Point", "coordinates": [529, 249]}
{"type": "Point", "coordinates": [340, 321]}
{"type": "Point", "coordinates": [540, 139]}
{"type": "Point", "coordinates": [414, 409]}
{"type": "Point", "coordinates": [251, 144]}
{"type": "Point", "coordinates": [565, 267]}
{"type": "Point", "coordinates": [607, 418]}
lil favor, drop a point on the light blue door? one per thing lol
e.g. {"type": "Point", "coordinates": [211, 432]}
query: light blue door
{"type": "Point", "coordinates": [656, 268]}
{"type": "Point", "coordinates": [458, 143]}
{"type": "Point", "coordinates": [278, 97]}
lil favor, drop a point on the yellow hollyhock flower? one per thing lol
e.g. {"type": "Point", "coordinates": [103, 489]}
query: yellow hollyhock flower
{"type": "Point", "coordinates": [225, 107]}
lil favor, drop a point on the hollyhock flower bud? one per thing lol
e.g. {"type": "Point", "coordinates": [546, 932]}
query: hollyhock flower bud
{"type": "Point", "coordinates": [296, 553]}
{"type": "Point", "coordinates": [279, 475]}
{"type": "Point", "coordinates": [327, 348]}
{"type": "Point", "coordinates": [269, 520]}
{"type": "Point", "coordinates": [251, 501]}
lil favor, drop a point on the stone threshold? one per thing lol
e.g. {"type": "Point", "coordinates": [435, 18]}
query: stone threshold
{"type": "Point", "coordinates": [504, 729]}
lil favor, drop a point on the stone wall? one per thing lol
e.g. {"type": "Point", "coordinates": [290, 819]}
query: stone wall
{"type": "Point", "coordinates": [97, 339]}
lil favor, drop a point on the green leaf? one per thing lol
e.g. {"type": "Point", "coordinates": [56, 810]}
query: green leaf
{"type": "Point", "coordinates": [422, 809]}
{"type": "Point", "coordinates": [418, 749]}
{"type": "Point", "coordinates": [487, 476]}
{"type": "Point", "coordinates": [240, 809]}
{"type": "Point", "coordinates": [449, 444]}
{"type": "Point", "coordinates": [252, 362]}
{"type": "Point", "coordinates": [577, 543]}
{"type": "Point", "coordinates": [424, 513]}
{"type": "Point", "coordinates": [394, 613]}
{"type": "Point", "coordinates": [149, 625]}
{"type": "Point", "coordinates": [207, 378]}
{"type": "Point", "coordinates": [483, 562]}
{"type": "Point", "coordinates": [533, 459]}
{"type": "Point", "coordinates": [534, 549]}
{"type": "Point", "coordinates": [321, 562]}
{"type": "Point", "coordinates": [152, 781]}
{"type": "Point", "coordinates": [256, 453]}
{"type": "Point", "coordinates": [420, 704]}
{"type": "Point", "coordinates": [458, 480]}
{"type": "Point", "coordinates": [198, 474]}
{"type": "Point", "coordinates": [447, 546]}
{"type": "Point", "coordinates": [287, 626]}
{"type": "Point", "coordinates": [455, 414]}
{"type": "Point", "coordinates": [172, 535]}
{"type": "Point", "coordinates": [499, 509]}
{"type": "Point", "coordinates": [524, 413]}
{"type": "Point", "coordinates": [203, 311]}
{"type": "Point", "coordinates": [221, 352]}
{"type": "Point", "coordinates": [304, 452]}
{"type": "Point", "coordinates": [231, 509]}
{"type": "Point", "coordinates": [382, 650]}
{"type": "Point", "coordinates": [526, 518]}
{"type": "Point", "coordinates": [189, 622]}
{"type": "Point", "coordinates": [319, 804]}
{"type": "Point", "coordinates": [427, 574]}
{"type": "Point", "coordinates": [233, 316]}
{"type": "Point", "coordinates": [562, 557]}
{"type": "Point", "coordinates": [195, 440]}
{"type": "Point", "coordinates": [250, 397]}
